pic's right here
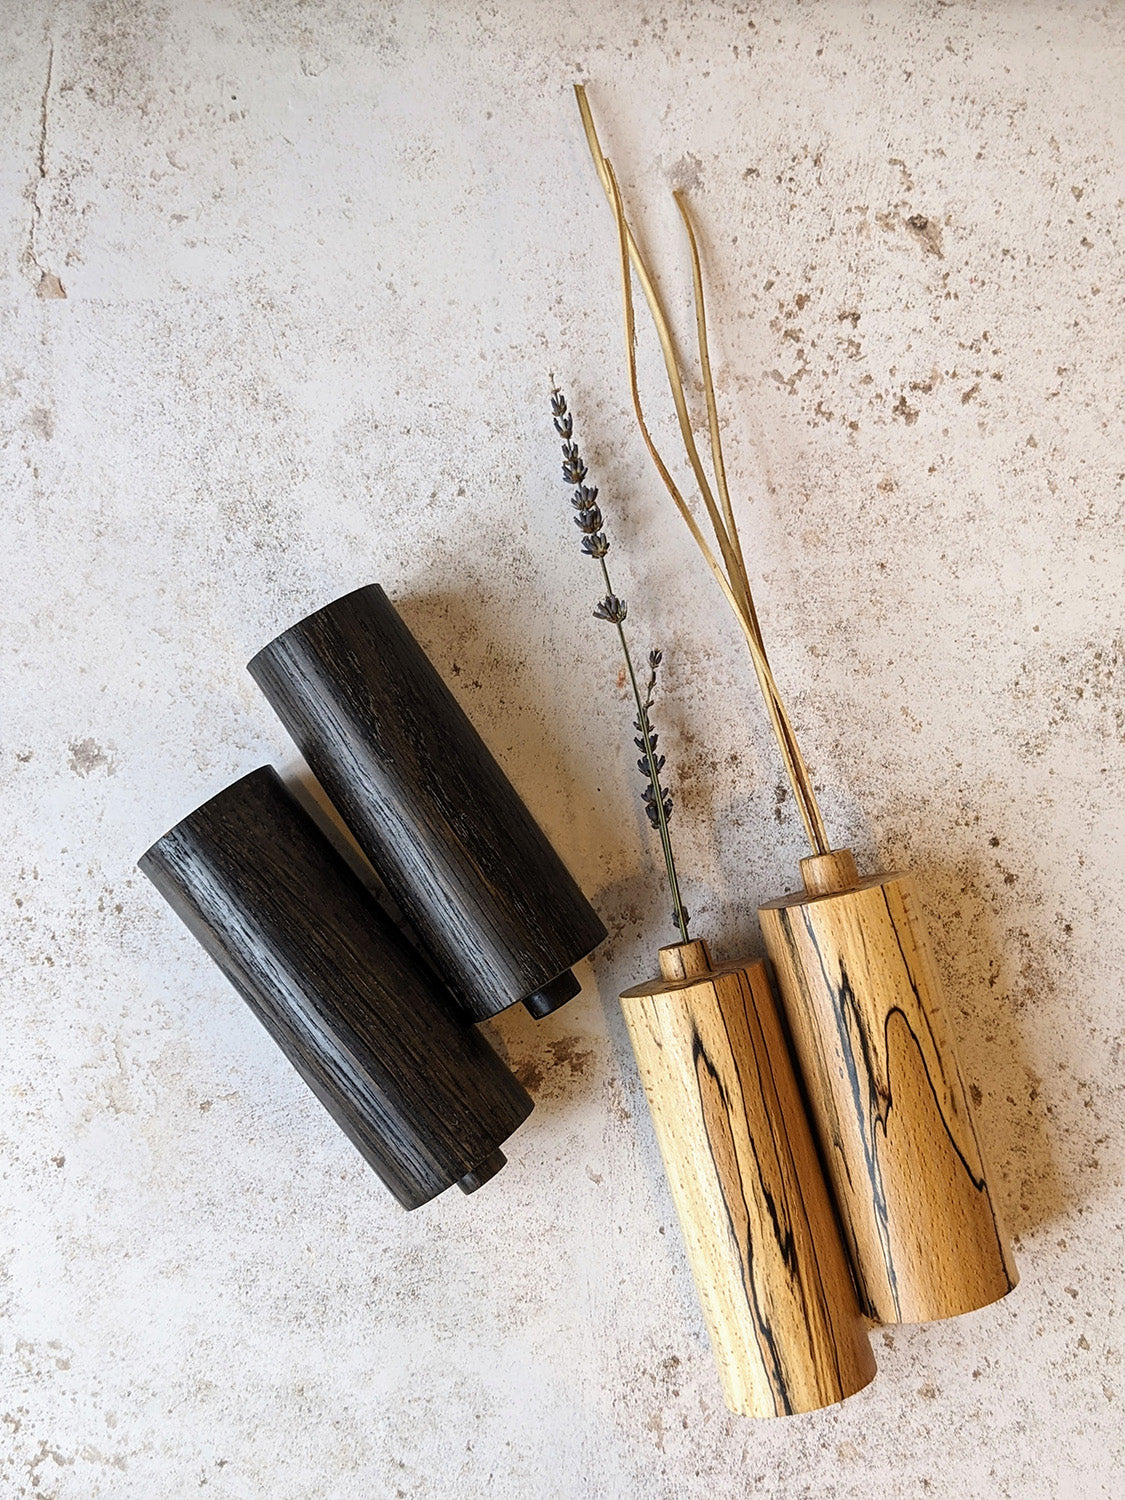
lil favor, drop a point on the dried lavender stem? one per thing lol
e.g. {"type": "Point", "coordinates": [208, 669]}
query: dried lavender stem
{"type": "Point", "coordinates": [654, 776]}
{"type": "Point", "coordinates": [595, 544]}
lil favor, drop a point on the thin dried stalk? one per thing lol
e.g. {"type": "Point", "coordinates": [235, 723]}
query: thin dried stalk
{"type": "Point", "coordinates": [806, 797]}
{"type": "Point", "coordinates": [667, 347]}
{"type": "Point", "coordinates": [713, 411]}
{"type": "Point", "coordinates": [734, 582]}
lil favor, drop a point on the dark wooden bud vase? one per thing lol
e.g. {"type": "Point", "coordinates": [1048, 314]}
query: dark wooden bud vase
{"type": "Point", "coordinates": [416, 1089]}
{"type": "Point", "coordinates": [865, 1009]}
{"type": "Point", "coordinates": [756, 1213]}
{"type": "Point", "coordinates": [445, 830]}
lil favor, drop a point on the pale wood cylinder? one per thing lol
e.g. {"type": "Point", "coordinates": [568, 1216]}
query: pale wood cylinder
{"type": "Point", "coordinates": [756, 1213]}
{"type": "Point", "coordinates": [865, 1012]}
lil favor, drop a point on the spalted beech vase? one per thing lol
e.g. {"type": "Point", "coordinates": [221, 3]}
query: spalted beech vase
{"type": "Point", "coordinates": [416, 1089]}
{"type": "Point", "coordinates": [445, 830]}
{"type": "Point", "coordinates": [869, 1028]}
{"type": "Point", "coordinates": [756, 1215]}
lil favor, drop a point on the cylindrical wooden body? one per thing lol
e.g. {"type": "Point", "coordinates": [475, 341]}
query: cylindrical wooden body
{"type": "Point", "coordinates": [416, 1089]}
{"type": "Point", "coordinates": [441, 823]}
{"type": "Point", "coordinates": [756, 1215]}
{"type": "Point", "coordinates": [871, 1037]}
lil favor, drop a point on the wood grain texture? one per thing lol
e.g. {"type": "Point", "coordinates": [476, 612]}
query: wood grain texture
{"type": "Point", "coordinates": [756, 1214]}
{"type": "Point", "coordinates": [416, 1089]}
{"type": "Point", "coordinates": [869, 1028]}
{"type": "Point", "coordinates": [470, 868]}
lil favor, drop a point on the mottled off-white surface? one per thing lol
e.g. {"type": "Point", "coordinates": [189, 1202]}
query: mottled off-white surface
{"type": "Point", "coordinates": [282, 286]}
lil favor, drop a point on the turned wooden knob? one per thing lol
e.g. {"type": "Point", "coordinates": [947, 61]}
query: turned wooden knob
{"type": "Point", "coordinates": [757, 1219]}
{"type": "Point", "coordinates": [685, 960]}
{"type": "Point", "coordinates": [825, 873]}
{"type": "Point", "coordinates": [868, 1024]}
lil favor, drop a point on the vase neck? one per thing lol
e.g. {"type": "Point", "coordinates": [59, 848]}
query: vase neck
{"type": "Point", "coordinates": [685, 960]}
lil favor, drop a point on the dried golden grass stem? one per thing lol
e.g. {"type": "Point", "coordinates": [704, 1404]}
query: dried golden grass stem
{"type": "Point", "coordinates": [667, 345]}
{"type": "Point", "coordinates": [713, 416]}
{"type": "Point", "coordinates": [806, 798]}
{"type": "Point", "coordinates": [734, 582]}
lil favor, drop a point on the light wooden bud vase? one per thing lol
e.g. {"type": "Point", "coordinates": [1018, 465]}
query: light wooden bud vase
{"type": "Point", "coordinates": [868, 1025]}
{"type": "Point", "coordinates": [851, 957]}
{"type": "Point", "coordinates": [753, 1205]}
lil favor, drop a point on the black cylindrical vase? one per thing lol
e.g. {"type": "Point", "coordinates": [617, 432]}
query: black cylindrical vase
{"type": "Point", "coordinates": [416, 1089]}
{"type": "Point", "coordinates": [441, 823]}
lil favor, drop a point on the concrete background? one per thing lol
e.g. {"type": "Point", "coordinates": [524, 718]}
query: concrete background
{"type": "Point", "coordinates": [282, 287]}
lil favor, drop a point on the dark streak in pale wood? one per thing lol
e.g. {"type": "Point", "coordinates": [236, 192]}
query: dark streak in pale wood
{"type": "Point", "coordinates": [445, 830]}
{"type": "Point", "coordinates": [414, 1087]}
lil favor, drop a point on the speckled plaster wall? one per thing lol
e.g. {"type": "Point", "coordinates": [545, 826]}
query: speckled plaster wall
{"type": "Point", "coordinates": [282, 286]}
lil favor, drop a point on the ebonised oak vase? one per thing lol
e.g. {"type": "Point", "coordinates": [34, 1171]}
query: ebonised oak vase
{"type": "Point", "coordinates": [416, 1089]}
{"type": "Point", "coordinates": [445, 830]}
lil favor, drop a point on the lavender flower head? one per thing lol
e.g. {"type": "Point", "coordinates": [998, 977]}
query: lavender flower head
{"type": "Point", "coordinates": [612, 608]}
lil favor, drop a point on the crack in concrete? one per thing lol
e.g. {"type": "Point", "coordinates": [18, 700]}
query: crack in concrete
{"type": "Point", "coordinates": [49, 285]}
